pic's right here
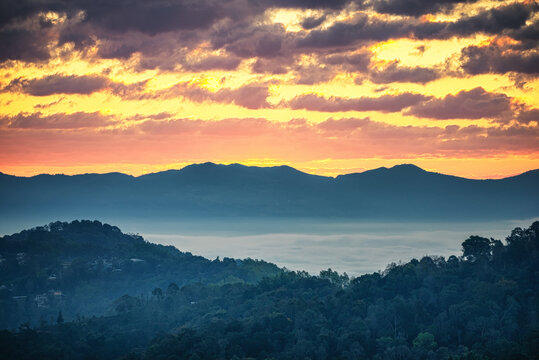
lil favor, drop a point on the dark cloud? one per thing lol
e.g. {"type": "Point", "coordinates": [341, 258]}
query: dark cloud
{"type": "Point", "coordinates": [415, 7]}
{"type": "Point", "coordinates": [350, 62]}
{"type": "Point", "coordinates": [313, 74]}
{"type": "Point", "coordinates": [59, 84]}
{"type": "Point", "coordinates": [384, 103]}
{"type": "Point", "coordinates": [312, 22]}
{"type": "Point", "coordinates": [21, 44]}
{"type": "Point", "coordinates": [396, 73]}
{"type": "Point", "coordinates": [213, 62]}
{"type": "Point", "coordinates": [270, 66]}
{"type": "Point", "coordinates": [327, 66]}
{"type": "Point", "coordinates": [367, 29]}
{"type": "Point", "coordinates": [133, 91]}
{"type": "Point", "coordinates": [528, 35]}
{"type": "Point", "coordinates": [110, 50]}
{"type": "Point", "coordinates": [495, 59]}
{"type": "Point", "coordinates": [250, 96]}
{"type": "Point", "coordinates": [473, 104]}
{"type": "Point", "coordinates": [162, 31]}
{"type": "Point", "coordinates": [57, 121]}
{"type": "Point", "coordinates": [494, 21]}
{"type": "Point", "coordinates": [527, 116]}
{"type": "Point", "coordinates": [248, 40]}
{"type": "Point", "coordinates": [113, 22]}
{"type": "Point", "coordinates": [306, 4]}
{"type": "Point", "coordinates": [153, 17]}
{"type": "Point", "coordinates": [31, 38]}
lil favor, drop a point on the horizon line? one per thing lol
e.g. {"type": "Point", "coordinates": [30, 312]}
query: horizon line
{"type": "Point", "coordinates": [268, 166]}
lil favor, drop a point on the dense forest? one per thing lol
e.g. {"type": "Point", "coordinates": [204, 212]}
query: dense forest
{"type": "Point", "coordinates": [83, 266]}
{"type": "Point", "coordinates": [483, 304]}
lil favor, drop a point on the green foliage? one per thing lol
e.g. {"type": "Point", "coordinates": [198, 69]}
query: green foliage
{"type": "Point", "coordinates": [83, 266]}
{"type": "Point", "coordinates": [476, 247]}
{"type": "Point", "coordinates": [427, 309]}
{"type": "Point", "coordinates": [425, 341]}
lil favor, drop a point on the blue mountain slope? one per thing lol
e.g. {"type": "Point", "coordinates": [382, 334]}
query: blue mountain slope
{"type": "Point", "coordinates": [202, 190]}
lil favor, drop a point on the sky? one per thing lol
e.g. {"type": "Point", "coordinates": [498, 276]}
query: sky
{"type": "Point", "coordinates": [325, 86]}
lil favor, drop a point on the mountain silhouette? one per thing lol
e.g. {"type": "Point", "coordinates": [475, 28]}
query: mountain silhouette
{"type": "Point", "coordinates": [212, 190]}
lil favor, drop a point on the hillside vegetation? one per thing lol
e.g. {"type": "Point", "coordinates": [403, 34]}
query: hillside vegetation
{"type": "Point", "coordinates": [82, 267]}
{"type": "Point", "coordinates": [480, 305]}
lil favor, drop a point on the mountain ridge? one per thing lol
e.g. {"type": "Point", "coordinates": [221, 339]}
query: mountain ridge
{"type": "Point", "coordinates": [402, 192]}
{"type": "Point", "coordinates": [209, 164]}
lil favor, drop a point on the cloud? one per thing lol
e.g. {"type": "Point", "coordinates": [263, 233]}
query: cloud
{"type": "Point", "coordinates": [30, 35]}
{"type": "Point", "coordinates": [528, 35]}
{"type": "Point", "coordinates": [20, 44]}
{"type": "Point", "coordinates": [473, 104]}
{"type": "Point", "coordinates": [82, 85]}
{"type": "Point", "coordinates": [384, 103]}
{"type": "Point", "coordinates": [306, 4]}
{"type": "Point", "coordinates": [232, 139]}
{"type": "Point", "coordinates": [312, 22]}
{"type": "Point", "coordinates": [231, 127]}
{"type": "Point", "coordinates": [494, 21]}
{"type": "Point", "coordinates": [163, 32]}
{"type": "Point", "coordinates": [75, 120]}
{"type": "Point", "coordinates": [395, 73]}
{"type": "Point", "coordinates": [350, 62]}
{"type": "Point", "coordinates": [495, 59]}
{"type": "Point", "coordinates": [527, 116]}
{"type": "Point", "coordinates": [346, 137]}
{"type": "Point", "coordinates": [348, 125]}
{"type": "Point", "coordinates": [365, 28]}
{"type": "Point", "coordinates": [248, 40]}
{"type": "Point", "coordinates": [250, 96]}
{"type": "Point", "coordinates": [270, 66]}
{"type": "Point", "coordinates": [59, 84]}
{"type": "Point", "coordinates": [327, 66]}
{"type": "Point", "coordinates": [415, 7]}
{"type": "Point", "coordinates": [213, 62]}
{"type": "Point", "coordinates": [313, 74]}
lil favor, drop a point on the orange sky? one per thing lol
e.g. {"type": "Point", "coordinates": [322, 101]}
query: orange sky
{"type": "Point", "coordinates": [326, 87]}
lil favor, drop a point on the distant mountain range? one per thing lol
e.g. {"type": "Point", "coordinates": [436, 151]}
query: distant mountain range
{"type": "Point", "coordinates": [403, 192]}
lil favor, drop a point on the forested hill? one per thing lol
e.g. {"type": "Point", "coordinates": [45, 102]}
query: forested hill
{"type": "Point", "coordinates": [210, 190]}
{"type": "Point", "coordinates": [480, 305]}
{"type": "Point", "coordinates": [83, 266]}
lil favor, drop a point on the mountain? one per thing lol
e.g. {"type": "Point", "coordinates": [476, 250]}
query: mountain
{"type": "Point", "coordinates": [83, 266]}
{"type": "Point", "coordinates": [403, 192]}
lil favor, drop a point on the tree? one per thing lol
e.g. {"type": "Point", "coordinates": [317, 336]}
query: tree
{"type": "Point", "coordinates": [425, 341]}
{"type": "Point", "coordinates": [172, 289]}
{"type": "Point", "coordinates": [60, 319]}
{"type": "Point", "coordinates": [157, 292]}
{"type": "Point", "coordinates": [476, 247]}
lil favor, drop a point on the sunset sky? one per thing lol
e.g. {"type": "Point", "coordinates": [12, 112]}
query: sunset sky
{"type": "Point", "coordinates": [325, 86]}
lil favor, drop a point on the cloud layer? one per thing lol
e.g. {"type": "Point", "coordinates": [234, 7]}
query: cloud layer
{"type": "Point", "coordinates": [287, 80]}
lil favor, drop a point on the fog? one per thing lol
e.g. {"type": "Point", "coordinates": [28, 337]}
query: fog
{"type": "Point", "coordinates": [305, 244]}
{"type": "Point", "coordinates": [354, 248]}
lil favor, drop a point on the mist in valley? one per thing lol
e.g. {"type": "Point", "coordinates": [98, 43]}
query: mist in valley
{"type": "Point", "coordinates": [305, 244]}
